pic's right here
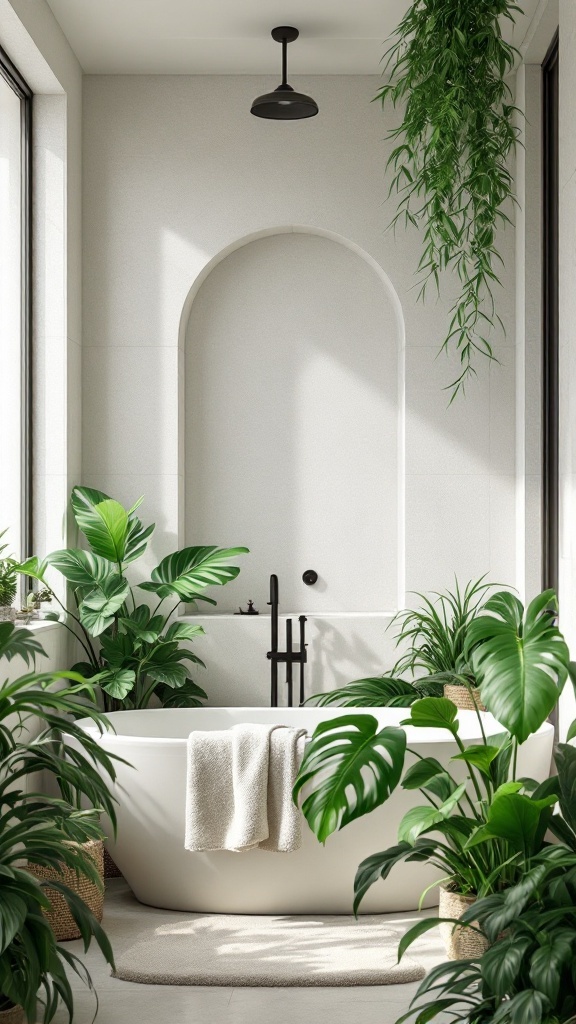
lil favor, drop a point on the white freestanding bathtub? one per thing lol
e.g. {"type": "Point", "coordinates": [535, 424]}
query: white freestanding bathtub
{"type": "Point", "coordinates": [316, 879]}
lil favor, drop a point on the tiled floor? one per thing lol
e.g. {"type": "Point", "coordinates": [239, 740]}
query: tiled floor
{"type": "Point", "coordinates": [127, 1003]}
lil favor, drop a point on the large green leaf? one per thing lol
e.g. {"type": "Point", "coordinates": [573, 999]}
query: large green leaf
{"type": "Point", "coordinates": [12, 914]}
{"type": "Point", "coordinates": [520, 660]}
{"type": "Point", "coordinates": [422, 819]}
{"type": "Point", "coordinates": [17, 641]}
{"type": "Point", "coordinates": [183, 631]}
{"type": "Point", "coordinates": [501, 963]}
{"type": "Point", "coordinates": [565, 760]}
{"type": "Point", "coordinates": [479, 755]}
{"type": "Point", "coordinates": [379, 865]}
{"type": "Point", "coordinates": [428, 774]}
{"type": "Point", "coordinates": [103, 521]}
{"type": "Point", "coordinates": [349, 768]}
{"type": "Point", "coordinates": [434, 713]}
{"type": "Point", "coordinates": [518, 819]}
{"type": "Point", "coordinates": [81, 568]}
{"type": "Point", "coordinates": [117, 682]}
{"type": "Point", "coordinates": [188, 696]}
{"type": "Point", "coordinates": [186, 572]}
{"type": "Point", "coordinates": [98, 609]}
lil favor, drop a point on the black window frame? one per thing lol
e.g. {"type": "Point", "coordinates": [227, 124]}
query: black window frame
{"type": "Point", "coordinates": [18, 84]}
{"type": "Point", "coordinates": [550, 319]}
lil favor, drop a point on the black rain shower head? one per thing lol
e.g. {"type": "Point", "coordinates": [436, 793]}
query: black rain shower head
{"type": "Point", "coordinates": [284, 104]}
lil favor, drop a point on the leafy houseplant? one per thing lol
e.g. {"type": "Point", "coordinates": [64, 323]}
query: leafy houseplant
{"type": "Point", "coordinates": [132, 651]}
{"type": "Point", "coordinates": [480, 833]}
{"type": "Point", "coordinates": [527, 972]}
{"type": "Point", "coordinates": [45, 830]}
{"type": "Point", "coordinates": [8, 581]}
{"type": "Point", "coordinates": [436, 634]}
{"type": "Point", "coordinates": [447, 67]}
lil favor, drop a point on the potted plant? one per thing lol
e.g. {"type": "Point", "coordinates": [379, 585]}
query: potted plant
{"type": "Point", "coordinates": [133, 652]}
{"type": "Point", "coordinates": [435, 636]}
{"type": "Point", "coordinates": [8, 583]}
{"type": "Point", "coordinates": [482, 833]}
{"type": "Point", "coordinates": [526, 970]}
{"type": "Point", "coordinates": [45, 830]}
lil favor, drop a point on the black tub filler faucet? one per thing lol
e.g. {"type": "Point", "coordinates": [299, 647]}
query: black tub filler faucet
{"type": "Point", "coordinates": [290, 656]}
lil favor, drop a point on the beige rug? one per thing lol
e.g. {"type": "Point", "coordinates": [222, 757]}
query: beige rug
{"type": "Point", "coordinates": [218, 949]}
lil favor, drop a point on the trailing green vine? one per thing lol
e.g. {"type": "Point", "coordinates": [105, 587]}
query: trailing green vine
{"type": "Point", "coordinates": [447, 65]}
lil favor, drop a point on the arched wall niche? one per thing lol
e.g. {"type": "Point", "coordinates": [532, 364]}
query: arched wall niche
{"type": "Point", "coordinates": [292, 422]}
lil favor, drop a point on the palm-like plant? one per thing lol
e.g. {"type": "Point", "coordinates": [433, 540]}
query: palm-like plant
{"type": "Point", "coordinates": [45, 830]}
{"type": "Point", "coordinates": [8, 576]}
{"type": "Point", "coordinates": [132, 651]}
{"type": "Point", "coordinates": [435, 635]}
{"type": "Point", "coordinates": [482, 833]}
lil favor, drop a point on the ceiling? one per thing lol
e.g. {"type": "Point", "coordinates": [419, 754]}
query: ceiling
{"type": "Point", "coordinates": [183, 37]}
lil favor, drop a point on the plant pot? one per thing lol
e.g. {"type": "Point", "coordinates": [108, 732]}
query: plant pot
{"type": "Point", "coordinates": [111, 869]}
{"type": "Point", "coordinates": [13, 1015]}
{"type": "Point", "coordinates": [461, 943]}
{"type": "Point", "coordinates": [59, 917]}
{"type": "Point", "coordinates": [463, 698]}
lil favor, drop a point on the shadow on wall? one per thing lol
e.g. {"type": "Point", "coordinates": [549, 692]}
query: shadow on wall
{"type": "Point", "coordinates": [294, 349]}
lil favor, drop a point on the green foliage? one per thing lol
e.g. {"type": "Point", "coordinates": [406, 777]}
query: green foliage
{"type": "Point", "coordinates": [527, 973]}
{"type": "Point", "coordinates": [447, 67]}
{"type": "Point", "coordinates": [520, 660]}
{"type": "Point", "coordinates": [481, 834]}
{"type": "Point", "coordinates": [139, 651]}
{"type": "Point", "coordinates": [45, 830]}
{"type": "Point", "coordinates": [375, 692]}
{"type": "Point", "coordinates": [8, 576]}
{"type": "Point", "coordinates": [435, 635]}
{"type": "Point", "coordinates": [343, 756]}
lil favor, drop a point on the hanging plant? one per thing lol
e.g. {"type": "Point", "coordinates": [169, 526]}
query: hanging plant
{"type": "Point", "coordinates": [447, 65]}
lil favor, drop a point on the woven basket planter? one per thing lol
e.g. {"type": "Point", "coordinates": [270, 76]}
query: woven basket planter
{"type": "Point", "coordinates": [461, 943]}
{"type": "Point", "coordinates": [463, 698]}
{"type": "Point", "coordinates": [15, 1015]}
{"type": "Point", "coordinates": [111, 869]}
{"type": "Point", "coordinates": [59, 917]}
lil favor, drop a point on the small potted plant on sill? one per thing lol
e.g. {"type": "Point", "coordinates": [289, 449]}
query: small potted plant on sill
{"type": "Point", "coordinates": [481, 834]}
{"type": "Point", "coordinates": [8, 583]}
{"type": "Point", "coordinates": [44, 830]}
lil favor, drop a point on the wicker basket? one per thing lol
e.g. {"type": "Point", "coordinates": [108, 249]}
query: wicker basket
{"type": "Point", "coordinates": [59, 917]}
{"type": "Point", "coordinates": [461, 943]}
{"type": "Point", "coordinates": [463, 698]}
{"type": "Point", "coordinates": [15, 1015]}
{"type": "Point", "coordinates": [111, 869]}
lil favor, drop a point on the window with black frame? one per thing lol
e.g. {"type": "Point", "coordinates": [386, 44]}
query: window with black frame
{"type": "Point", "coordinates": [15, 310]}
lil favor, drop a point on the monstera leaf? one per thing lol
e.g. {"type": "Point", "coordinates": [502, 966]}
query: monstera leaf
{"type": "Point", "coordinates": [112, 531]}
{"type": "Point", "coordinates": [185, 572]}
{"type": "Point", "coordinates": [190, 695]}
{"type": "Point", "coordinates": [349, 768]}
{"type": "Point", "coordinates": [520, 660]}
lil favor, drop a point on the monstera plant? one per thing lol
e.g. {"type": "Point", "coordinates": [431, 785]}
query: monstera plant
{"type": "Point", "coordinates": [133, 650]}
{"type": "Point", "coordinates": [479, 825]}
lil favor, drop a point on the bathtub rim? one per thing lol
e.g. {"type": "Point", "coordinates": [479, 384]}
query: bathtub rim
{"type": "Point", "coordinates": [414, 735]}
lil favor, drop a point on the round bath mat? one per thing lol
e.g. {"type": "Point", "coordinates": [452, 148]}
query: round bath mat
{"type": "Point", "coordinates": [240, 950]}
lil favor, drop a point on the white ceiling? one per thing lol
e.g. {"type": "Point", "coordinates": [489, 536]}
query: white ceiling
{"type": "Point", "coordinates": [228, 37]}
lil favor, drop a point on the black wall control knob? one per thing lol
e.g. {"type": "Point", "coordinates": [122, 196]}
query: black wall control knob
{"type": "Point", "coordinates": [310, 577]}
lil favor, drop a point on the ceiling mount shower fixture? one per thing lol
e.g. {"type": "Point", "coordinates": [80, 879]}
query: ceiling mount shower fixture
{"type": "Point", "coordinates": [284, 104]}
